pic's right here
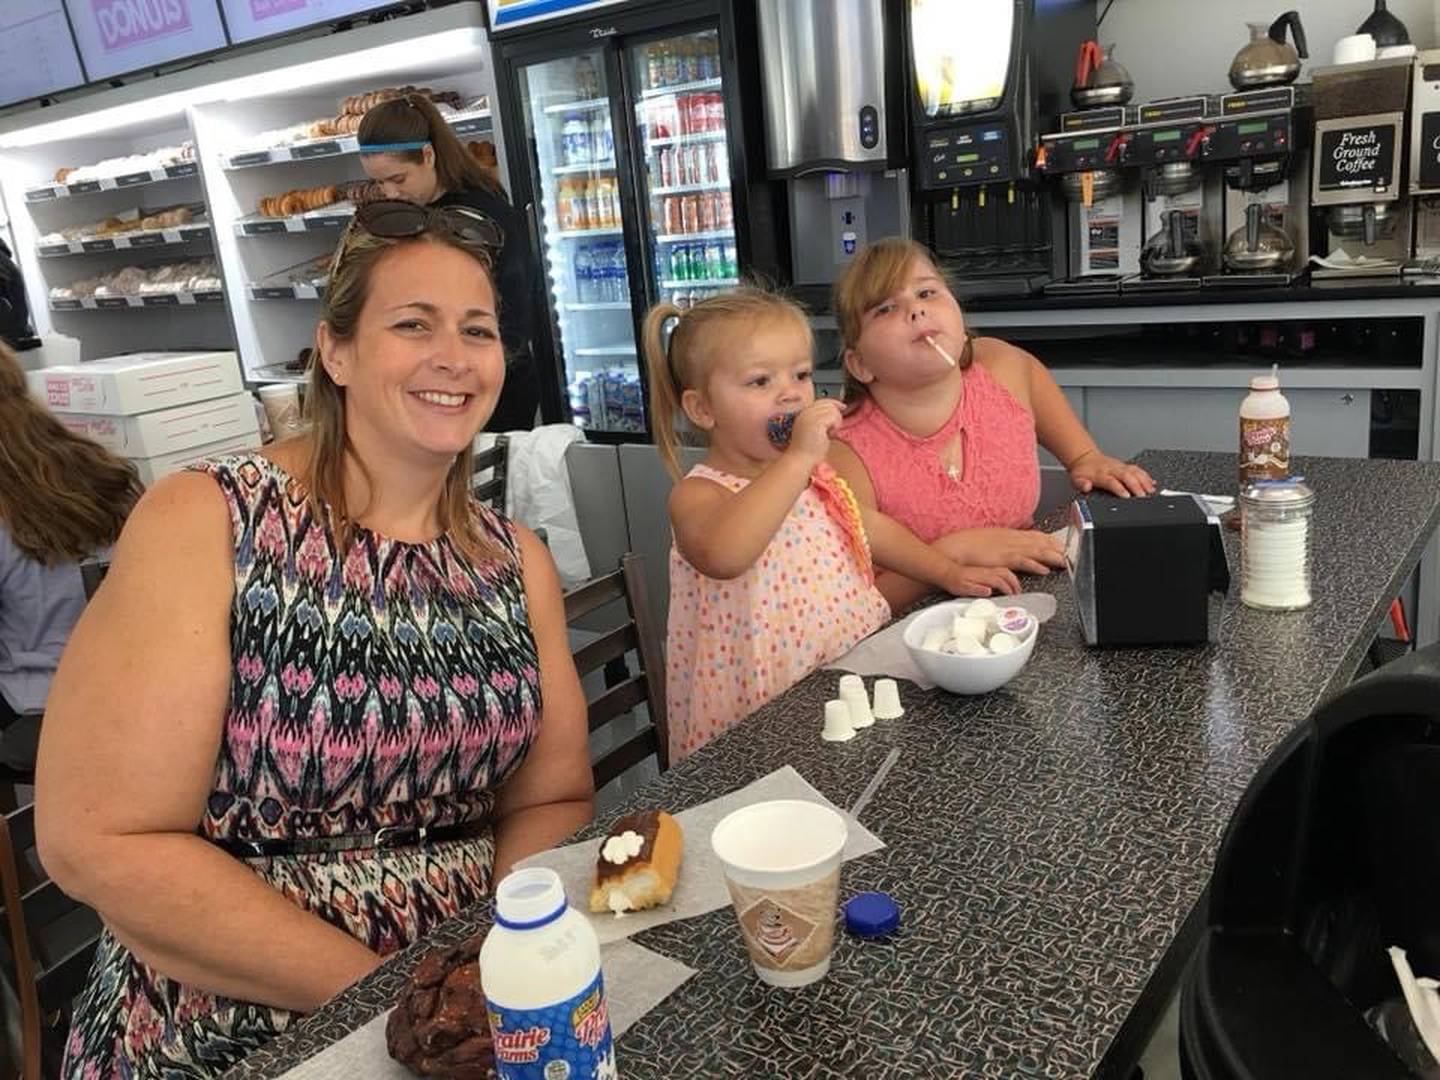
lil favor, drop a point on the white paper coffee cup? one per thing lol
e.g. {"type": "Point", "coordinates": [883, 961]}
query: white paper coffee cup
{"type": "Point", "coordinates": [281, 402]}
{"type": "Point", "coordinates": [782, 867]}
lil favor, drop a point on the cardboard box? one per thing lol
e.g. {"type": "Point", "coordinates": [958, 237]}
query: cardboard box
{"type": "Point", "coordinates": [153, 468]}
{"type": "Point", "coordinates": [138, 383]}
{"type": "Point", "coordinates": [159, 434]}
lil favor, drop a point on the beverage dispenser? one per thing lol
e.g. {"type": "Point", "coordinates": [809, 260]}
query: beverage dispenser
{"type": "Point", "coordinates": [987, 77]}
{"type": "Point", "coordinates": [827, 130]}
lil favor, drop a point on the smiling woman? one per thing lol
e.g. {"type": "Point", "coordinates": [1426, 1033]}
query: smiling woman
{"type": "Point", "coordinates": [349, 698]}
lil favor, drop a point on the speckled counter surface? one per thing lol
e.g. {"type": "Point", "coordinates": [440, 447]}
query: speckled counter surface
{"type": "Point", "coordinates": [1046, 842]}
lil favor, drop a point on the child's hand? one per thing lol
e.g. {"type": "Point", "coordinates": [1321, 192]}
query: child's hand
{"type": "Point", "coordinates": [810, 438]}
{"type": "Point", "coordinates": [1027, 551]}
{"type": "Point", "coordinates": [981, 581]}
{"type": "Point", "coordinates": [1096, 470]}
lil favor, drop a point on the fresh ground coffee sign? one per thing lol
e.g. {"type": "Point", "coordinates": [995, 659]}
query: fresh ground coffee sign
{"type": "Point", "coordinates": [1357, 157]}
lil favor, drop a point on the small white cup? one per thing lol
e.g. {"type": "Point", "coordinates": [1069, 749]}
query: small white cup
{"type": "Point", "coordinates": [887, 700]}
{"type": "Point", "coordinates": [838, 727]}
{"type": "Point", "coordinates": [858, 702]}
{"type": "Point", "coordinates": [1395, 52]}
{"type": "Point", "coordinates": [281, 402]}
{"type": "Point", "coordinates": [1355, 49]}
{"type": "Point", "coordinates": [782, 867]}
{"type": "Point", "coordinates": [852, 683]}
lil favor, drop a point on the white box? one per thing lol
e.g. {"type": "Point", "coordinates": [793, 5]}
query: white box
{"type": "Point", "coordinates": [138, 383]}
{"type": "Point", "coordinates": [152, 469]}
{"type": "Point", "coordinates": [158, 434]}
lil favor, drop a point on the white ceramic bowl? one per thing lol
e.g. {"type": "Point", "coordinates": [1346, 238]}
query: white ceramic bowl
{"type": "Point", "coordinates": [964, 674]}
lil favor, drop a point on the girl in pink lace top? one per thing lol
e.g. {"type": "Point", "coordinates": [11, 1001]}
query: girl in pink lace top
{"type": "Point", "coordinates": [770, 572]}
{"type": "Point", "coordinates": [948, 449]}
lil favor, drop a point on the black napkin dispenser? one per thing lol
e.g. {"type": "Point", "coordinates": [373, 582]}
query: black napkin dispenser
{"type": "Point", "coordinates": [1149, 571]}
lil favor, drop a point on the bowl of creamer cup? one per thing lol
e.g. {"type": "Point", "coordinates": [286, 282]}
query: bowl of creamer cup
{"type": "Point", "coordinates": [971, 646]}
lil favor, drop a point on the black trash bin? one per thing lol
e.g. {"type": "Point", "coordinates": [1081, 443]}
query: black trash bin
{"type": "Point", "coordinates": [1332, 856]}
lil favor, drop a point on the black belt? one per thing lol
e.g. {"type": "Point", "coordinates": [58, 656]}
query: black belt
{"type": "Point", "coordinates": [388, 838]}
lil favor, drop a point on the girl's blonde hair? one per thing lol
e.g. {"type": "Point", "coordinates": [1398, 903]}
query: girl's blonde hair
{"type": "Point", "coordinates": [683, 364]}
{"type": "Point", "coordinates": [877, 273]}
{"type": "Point", "coordinates": [63, 497]}
{"type": "Point", "coordinates": [349, 285]}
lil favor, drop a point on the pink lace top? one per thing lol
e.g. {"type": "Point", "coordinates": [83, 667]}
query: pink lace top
{"type": "Point", "coordinates": [917, 481]}
{"type": "Point", "coordinates": [733, 645]}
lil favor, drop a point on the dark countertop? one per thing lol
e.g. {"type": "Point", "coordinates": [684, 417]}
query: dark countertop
{"type": "Point", "coordinates": [1328, 292]}
{"type": "Point", "coordinates": [1046, 842]}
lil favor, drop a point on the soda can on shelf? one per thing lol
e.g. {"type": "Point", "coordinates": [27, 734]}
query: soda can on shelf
{"type": "Point", "coordinates": [707, 211]}
{"type": "Point", "coordinates": [674, 222]}
{"type": "Point", "coordinates": [724, 211]}
{"type": "Point", "coordinates": [690, 213]}
{"type": "Point", "coordinates": [667, 166]}
{"type": "Point", "coordinates": [732, 263]}
{"type": "Point", "coordinates": [680, 262]}
{"type": "Point", "coordinates": [714, 261]}
{"type": "Point", "coordinates": [720, 153]}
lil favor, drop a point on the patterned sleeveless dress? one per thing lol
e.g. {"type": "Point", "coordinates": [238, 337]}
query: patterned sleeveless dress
{"type": "Point", "coordinates": [396, 686]}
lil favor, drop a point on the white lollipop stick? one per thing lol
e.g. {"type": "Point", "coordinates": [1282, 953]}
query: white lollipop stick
{"type": "Point", "coordinates": [941, 350]}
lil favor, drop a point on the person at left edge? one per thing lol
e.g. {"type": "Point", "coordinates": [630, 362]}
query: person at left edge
{"type": "Point", "coordinates": [408, 149]}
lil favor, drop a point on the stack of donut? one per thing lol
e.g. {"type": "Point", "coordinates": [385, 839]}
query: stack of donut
{"type": "Point", "coordinates": [299, 201]}
{"type": "Point", "coordinates": [360, 104]}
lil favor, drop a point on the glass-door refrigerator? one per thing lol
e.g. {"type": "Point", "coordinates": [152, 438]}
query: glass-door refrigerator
{"type": "Point", "coordinates": [628, 179]}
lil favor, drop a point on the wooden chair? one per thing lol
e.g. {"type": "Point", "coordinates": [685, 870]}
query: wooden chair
{"type": "Point", "coordinates": [493, 458]}
{"type": "Point", "coordinates": [49, 943]}
{"type": "Point", "coordinates": [647, 687]}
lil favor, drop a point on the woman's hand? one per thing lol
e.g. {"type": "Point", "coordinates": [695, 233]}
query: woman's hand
{"type": "Point", "coordinates": [981, 581]}
{"type": "Point", "coordinates": [1026, 551]}
{"type": "Point", "coordinates": [1094, 469]}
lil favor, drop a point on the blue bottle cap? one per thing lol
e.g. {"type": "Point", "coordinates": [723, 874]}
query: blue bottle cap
{"type": "Point", "coordinates": [871, 914]}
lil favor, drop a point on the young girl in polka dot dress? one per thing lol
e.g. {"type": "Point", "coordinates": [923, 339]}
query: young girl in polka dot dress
{"type": "Point", "coordinates": [770, 571]}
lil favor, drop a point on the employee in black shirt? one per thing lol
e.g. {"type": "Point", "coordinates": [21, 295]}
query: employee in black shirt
{"type": "Point", "coordinates": [408, 149]}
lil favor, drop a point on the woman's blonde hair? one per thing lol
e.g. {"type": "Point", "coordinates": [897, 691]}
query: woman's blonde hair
{"type": "Point", "coordinates": [62, 496]}
{"type": "Point", "coordinates": [414, 118]}
{"type": "Point", "coordinates": [877, 273]}
{"type": "Point", "coordinates": [345, 295]}
{"type": "Point", "coordinates": [683, 364]}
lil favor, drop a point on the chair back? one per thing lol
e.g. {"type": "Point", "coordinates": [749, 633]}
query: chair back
{"type": "Point", "coordinates": [638, 634]}
{"type": "Point", "coordinates": [493, 459]}
{"type": "Point", "coordinates": [49, 944]}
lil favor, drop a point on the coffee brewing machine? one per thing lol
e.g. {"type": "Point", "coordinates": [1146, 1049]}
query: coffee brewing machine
{"type": "Point", "coordinates": [1424, 186]}
{"type": "Point", "coordinates": [1358, 186]}
{"type": "Point", "coordinates": [986, 78]}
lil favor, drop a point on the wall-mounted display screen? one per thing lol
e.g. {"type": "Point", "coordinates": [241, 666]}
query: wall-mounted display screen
{"type": "Point", "coordinates": [117, 37]}
{"type": "Point", "coordinates": [249, 20]}
{"type": "Point", "coordinates": [37, 51]}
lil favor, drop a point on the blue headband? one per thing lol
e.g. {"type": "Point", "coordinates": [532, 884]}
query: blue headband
{"type": "Point", "coordinates": [391, 147]}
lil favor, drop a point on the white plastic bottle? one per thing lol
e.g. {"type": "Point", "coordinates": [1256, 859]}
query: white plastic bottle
{"type": "Point", "coordinates": [1264, 431]}
{"type": "Point", "coordinates": [540, 970]}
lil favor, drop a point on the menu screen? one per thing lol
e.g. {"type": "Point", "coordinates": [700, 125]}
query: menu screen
{"type": "Point", "coordinates": [252, 19]}
{"type": "Point", "coordinates": [37, 53]}
{"type": "Point", "coordinates": [120, 36]}
{"type": "Point", "coordinates": [961, 53]}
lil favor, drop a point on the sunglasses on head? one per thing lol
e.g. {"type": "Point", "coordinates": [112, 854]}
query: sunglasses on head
{"type": "Point", "coordinates": [396, 219]}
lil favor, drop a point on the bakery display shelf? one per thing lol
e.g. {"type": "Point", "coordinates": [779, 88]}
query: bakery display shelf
{"type": "Point", "coordinates": [50, 192]}
{"type": "Point", "coordinates": [285, 291]}
{"type": "Point", "coordinates": [476, 122]}
{"type": "Point", "coordinates": [140, 239]}
{"type": "Point", "coordinates": [275, 373]}
{"type": "Point", "coordinates": [178, 298]}
{"type": "Point", "coordinates": [332, 217]}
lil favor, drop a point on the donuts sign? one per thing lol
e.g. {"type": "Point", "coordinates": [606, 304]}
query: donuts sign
{"type": "Point", "coordinates": [124, 23]}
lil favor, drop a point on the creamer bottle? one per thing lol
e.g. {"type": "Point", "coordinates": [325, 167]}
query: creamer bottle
{"type": "Point", "coordinates": [540, 971]}
{"type": "Point", "coordinates": [1264, 431]}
